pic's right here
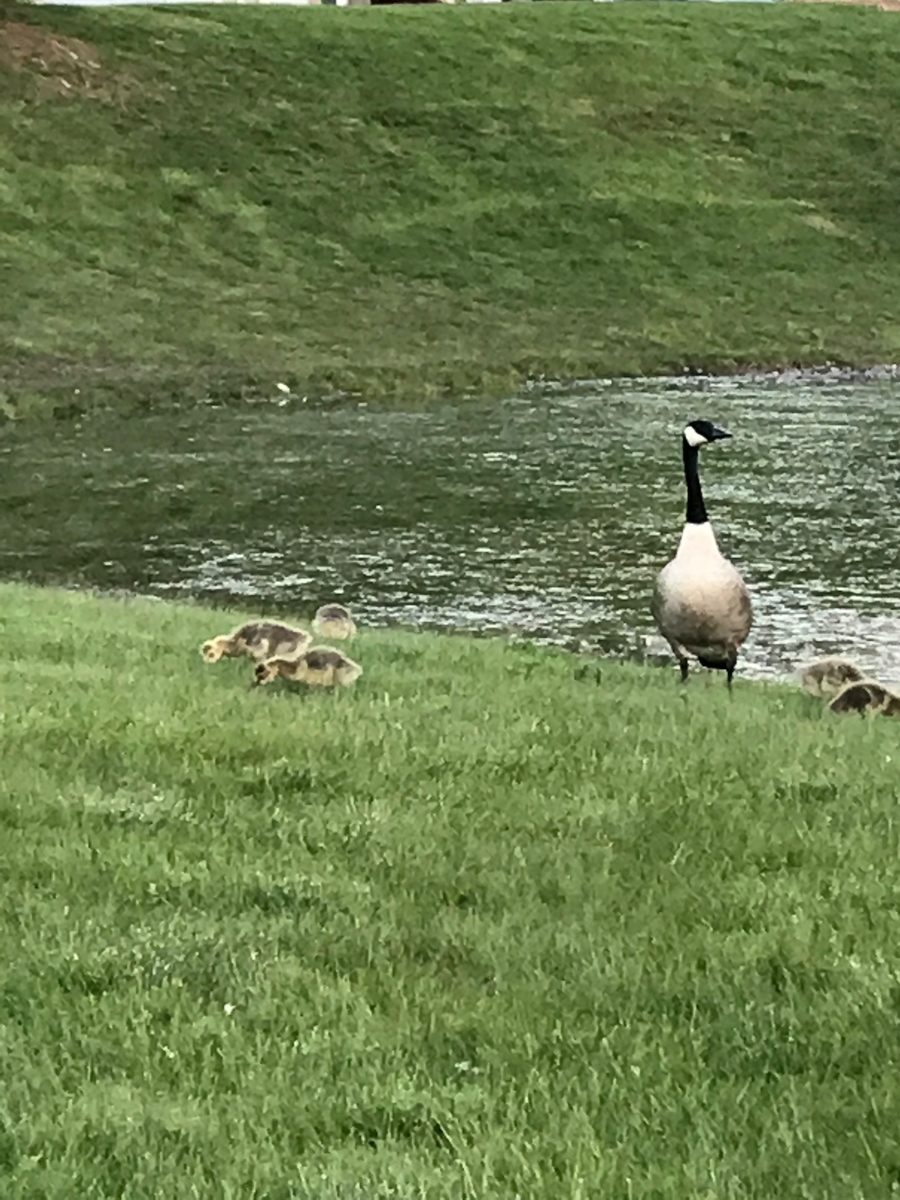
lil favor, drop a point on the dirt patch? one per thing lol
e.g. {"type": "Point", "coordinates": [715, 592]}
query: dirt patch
{"type": "Point", "coordinates": [62, 66]}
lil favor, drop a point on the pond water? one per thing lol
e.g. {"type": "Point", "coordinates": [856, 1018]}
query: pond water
{"type": "Point", "coordinates": [546, 515]}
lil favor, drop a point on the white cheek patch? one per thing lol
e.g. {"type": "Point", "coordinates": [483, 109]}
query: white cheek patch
{"type": "Point", "coordinates": [692, 437]}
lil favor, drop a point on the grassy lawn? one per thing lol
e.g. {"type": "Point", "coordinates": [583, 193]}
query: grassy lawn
{"type": "Point", "coordinates": [494, 923]}
{"type": "Point", "coordinates": [417, 200]}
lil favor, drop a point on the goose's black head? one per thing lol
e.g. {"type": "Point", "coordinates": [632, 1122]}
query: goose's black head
{"type": "Point", "coordinates": [698, 433]}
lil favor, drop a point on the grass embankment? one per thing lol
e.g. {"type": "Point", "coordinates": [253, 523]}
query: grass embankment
{"type": "Point", "coordinates": [481, 926]}
{"type": "Point", "coordinates": [404, 201]}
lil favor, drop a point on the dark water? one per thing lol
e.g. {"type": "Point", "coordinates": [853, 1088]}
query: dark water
{"type": "Point", "coordinates": [548, 514]}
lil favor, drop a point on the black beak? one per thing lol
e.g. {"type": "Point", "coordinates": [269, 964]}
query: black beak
{"type": "Point", "coordinates": [718, 434]}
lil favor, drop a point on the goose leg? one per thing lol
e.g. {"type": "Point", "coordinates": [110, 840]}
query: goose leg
{"type": "Point", "coordinates": [730, 664]}
{"type": "Point", "coordinates": [681, 657]}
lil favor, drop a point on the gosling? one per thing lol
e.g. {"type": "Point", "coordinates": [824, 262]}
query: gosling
{"type": "Point", "coordinates": [258, 640]}
{"type": "Point", "coordinates": [319, 667]}
{"type": "Point", "coordinates": [866, 696]}
{"type": "Point", "coordinates": [334, 621]}
{"type": "Point", "coordinates": [827, 676]}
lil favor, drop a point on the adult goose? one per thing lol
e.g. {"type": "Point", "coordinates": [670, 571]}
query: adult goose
{"type": "Point", "coordinates": [700, 602]}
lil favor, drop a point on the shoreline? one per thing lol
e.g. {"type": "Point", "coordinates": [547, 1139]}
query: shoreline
{"type": "Point", "coordinates": [74, 392]}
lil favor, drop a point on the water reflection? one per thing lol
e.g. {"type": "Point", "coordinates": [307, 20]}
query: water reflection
{"type": "Point", "coordinates": [548, 514]}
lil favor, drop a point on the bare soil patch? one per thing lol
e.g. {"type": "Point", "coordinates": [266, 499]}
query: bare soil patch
{"type": "Point", "coordinates": [63, 66]}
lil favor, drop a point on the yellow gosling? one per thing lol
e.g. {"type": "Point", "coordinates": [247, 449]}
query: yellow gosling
{"type": "Point", "coordinates": [827, 676]}
{"type": "Point", "coordinates": [319, 667]}
{"type": "Point", "coordinates": [258, 640]}
{"type": "Point", "coordinates": [866, 696]}
{"type": "Point", "coordinates": [334, 621]}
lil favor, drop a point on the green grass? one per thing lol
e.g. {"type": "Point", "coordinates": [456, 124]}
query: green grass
{"type": "Point", "coordinates": [493, 923]}
{"type": "Point", "coordinates": [410, 201]}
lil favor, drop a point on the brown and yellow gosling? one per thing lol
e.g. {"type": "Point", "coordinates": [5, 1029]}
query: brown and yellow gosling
{"type": "Point", "coordinates": [319, 667]}
{"type": "Point", "coordinates": [827, 676]}
{"type": "Point", "coordinates": [258, 640]}
{"type": "Point", "coordinates": [866, 696]}
{"type": "Point", "coordinates": [334, 621]}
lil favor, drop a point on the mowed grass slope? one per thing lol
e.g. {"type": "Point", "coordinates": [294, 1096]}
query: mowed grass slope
{"type": "Point", "coordinates": [412, 200]}
{"type": "Point", "coordinates": [493, 923]}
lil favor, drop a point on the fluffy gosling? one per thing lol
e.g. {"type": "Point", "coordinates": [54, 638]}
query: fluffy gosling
{"type": "Point", "coordinates": [333, 621]}
{"type": "Point", "coordinates": [258, 640]}
{"type": "Point", "coordinates": [827, 676]}
{"type": "Point", "coordinates": [866, 696]}
{"type": "Point", "coordinates": [319, 667]}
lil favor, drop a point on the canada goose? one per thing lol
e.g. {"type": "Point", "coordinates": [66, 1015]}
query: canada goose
{"type": "Point", "coordinates": [866, 696]}
{"type": "Point", "coordinates": [258, 640]}
{"type": "Point", "coordinates": [333, 621]}
{"type": "Point", "coordinates": [827, 676]}
{"type": "Point", "coordinates": [700, 602]}
{"type": "Point", "coordinates": [319, 667]}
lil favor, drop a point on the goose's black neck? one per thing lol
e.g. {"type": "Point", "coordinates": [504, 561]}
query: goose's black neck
{"type": "Point", "coordinates": [696, 509]}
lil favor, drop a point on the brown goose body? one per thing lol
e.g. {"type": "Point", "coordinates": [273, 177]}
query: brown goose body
{"type": "Point", "coordinates": [701, 604]}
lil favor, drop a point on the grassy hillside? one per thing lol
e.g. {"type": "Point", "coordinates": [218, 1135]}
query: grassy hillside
{"type": "Point", "coordinates": [493, 923]}
{"type": "Point", "coordinates": [409, 199]}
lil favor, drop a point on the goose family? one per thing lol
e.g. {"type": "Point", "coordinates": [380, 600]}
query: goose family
{"type": "Point", "coordinates": [258, 640]}
{"type": "Point", "coordinates": [700, 602]}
